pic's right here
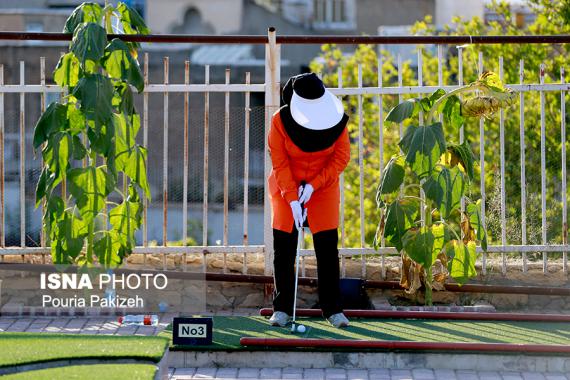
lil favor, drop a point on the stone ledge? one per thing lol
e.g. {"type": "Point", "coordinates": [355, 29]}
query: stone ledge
{"type": "Point", "coordinates": [392, 360]}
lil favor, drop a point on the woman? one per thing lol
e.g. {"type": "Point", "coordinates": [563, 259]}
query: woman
{"type": "Point", "coordinates": [308, 143]}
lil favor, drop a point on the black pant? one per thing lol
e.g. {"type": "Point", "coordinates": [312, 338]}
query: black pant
{"type": "Point", "coordinates": [285, 249]}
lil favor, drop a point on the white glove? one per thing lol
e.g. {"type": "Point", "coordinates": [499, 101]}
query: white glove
{"type": "Point", "coordinates": [305, 193]}
{"type": "Point", "coordinates": [298, 215]}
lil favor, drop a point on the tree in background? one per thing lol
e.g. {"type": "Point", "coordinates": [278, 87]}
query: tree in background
{"type": "Point", "coordinates": [553, 56]}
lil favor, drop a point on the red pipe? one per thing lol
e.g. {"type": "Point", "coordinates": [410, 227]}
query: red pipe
{"type": "Point", "coordinates": [470, 316]}
{"type": "Point", "coordinates": [300, 39]}
{"type": "Point", "coordinates": [399, 345]}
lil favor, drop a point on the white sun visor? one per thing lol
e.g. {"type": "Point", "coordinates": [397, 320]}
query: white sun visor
{"type": "Point", "coordinates": [317, 114]}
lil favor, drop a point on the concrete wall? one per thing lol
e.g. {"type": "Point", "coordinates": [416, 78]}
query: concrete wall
{"type": "Point", "coordinates": [370, 14]}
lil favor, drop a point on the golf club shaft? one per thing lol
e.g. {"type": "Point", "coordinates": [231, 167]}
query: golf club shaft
{"type": "Point", "coordinates": [299, 241]}
{"type": "Point", "coordinates": [298, 253]}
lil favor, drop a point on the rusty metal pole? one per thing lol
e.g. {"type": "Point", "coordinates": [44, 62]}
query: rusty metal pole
{"type": "Point", "coordinates": [272, 81]}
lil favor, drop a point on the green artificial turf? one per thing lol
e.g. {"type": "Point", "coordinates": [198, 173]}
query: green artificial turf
{"type": "Point", "coordinates": [229, 330]}
{"type": "Point", "coordinates": [26, 348]}
{"type": "Point", "coordinates": [89, 372]}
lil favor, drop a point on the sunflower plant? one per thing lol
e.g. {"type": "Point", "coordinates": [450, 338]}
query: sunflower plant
{"type": "Point", "coordinates": [88, 141]}
{"type": "Point", "coordinates": [435, 236]}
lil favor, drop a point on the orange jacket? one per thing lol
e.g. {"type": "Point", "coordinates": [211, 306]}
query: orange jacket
{"type": "Point", "coordinates": [290, 165]}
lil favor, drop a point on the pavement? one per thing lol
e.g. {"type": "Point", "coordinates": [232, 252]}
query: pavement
{"type": "Point", "coordinates": [110, 326]}
{"type": "Point", "coordinates": [354, 374]}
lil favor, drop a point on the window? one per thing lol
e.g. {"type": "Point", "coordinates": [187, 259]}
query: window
{"type": "Point", "coordinates": [333, 14]}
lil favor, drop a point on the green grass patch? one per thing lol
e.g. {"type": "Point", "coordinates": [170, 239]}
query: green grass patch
{"type": "Point", "coordinates": [229, 330]}
{"type": "Point", "coordinates": [89, 372]}
{"type": "Point", "coordinates": [26, 348]}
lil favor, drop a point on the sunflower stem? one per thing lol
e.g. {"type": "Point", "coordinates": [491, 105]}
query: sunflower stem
{"type": "Point", "coordinates": [468, 88]}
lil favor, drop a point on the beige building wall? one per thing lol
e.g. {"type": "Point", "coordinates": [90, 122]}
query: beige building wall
{"type": "Point", "coordinates": [445, 10]}
{"type": "Point", "coordinates": [224, 16]}
{"type": "Point", "coordinates": [25, 20]}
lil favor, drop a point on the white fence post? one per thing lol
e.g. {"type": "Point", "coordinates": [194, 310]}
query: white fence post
{"type": "Point", "coordinates": [272, 90]}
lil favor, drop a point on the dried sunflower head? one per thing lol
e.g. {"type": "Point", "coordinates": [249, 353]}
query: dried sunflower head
{"type": "Point", "coordinates": [494, 97]}
{"type": "Point", "coordinates": [487, 105]}
{"type": "Point", "coordinates": [480, 106]}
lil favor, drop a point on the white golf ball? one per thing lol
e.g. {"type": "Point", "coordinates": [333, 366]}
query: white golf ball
{"type": "Point", "coordinates": [301, 329]}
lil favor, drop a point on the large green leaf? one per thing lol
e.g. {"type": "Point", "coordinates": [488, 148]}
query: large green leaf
{"type": "Point", "coordinates": [400, 217]}
{"type": "Point", "coordinates": [131, 21]}
{"type": "Point", "coordinates": [90, 187]}
{"type": "Point", "coordinates": [54, 119]}
{"type": "Point", "coordinates": [57, 153]}
{"type": "Point", "coordinates": [135, 168]}
{"type": "Point", "coordinates": [86, 12]}
{"type": "Point", "coordinates": [424, 244]}
{"type": "Point", "coordinates": [406, 140]}
{"type": "Point", "coordinates": [474, 212]}
{"type": "Point", "coordinates": [428, 102]}
{"type": "Point", "coordinates": [462, 260]}
{"type": "Point", "coordinates": [423, 146]}
{"type": "Point", "coordinates": [126, 219]}
{"type": "Point", "coordinates": [393, 175]}
{"type": "Point", "coordinates": [101, 141]}
{"type": "Point", "coordinates": [76, 119]}
{"type": "Point", "coordinates": [53, 212]}
{"type": "Point", "coordinates": [123, 98]}
{"type": "Point", "coordinates": [44, 185]}
{"type": "Point", "coordinates": [108, 249]}
{"type": "Point", "coordinates": [452, 112]}
{"type": "Point", "coordinates": [67, 238]}
{"type": "Point", "coordinates": [79, 151]}
{"type": "Point", "coordinates": [445, 187]}
{"type": "Point", "coordinates": [126, 128]}
{"type": "Point", "coordinates": [95, 94]}
{"type": "Point", "coordinates": [67, 71]}
{"type": "Point", "coordinates": [88, 45]}
{"type": "Point", "coordinates": [120, 64]}
{"type": "Point", "coordinates": [462, 153]}
{"type": "Point", "coordinates": [403, 111]}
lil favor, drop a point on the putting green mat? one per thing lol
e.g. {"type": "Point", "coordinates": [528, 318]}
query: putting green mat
{"type": "Point", "coordinates": [229, 330]}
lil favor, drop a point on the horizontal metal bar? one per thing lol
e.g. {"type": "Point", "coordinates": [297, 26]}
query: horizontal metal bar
{"type": "Point", "coordinates": [430, 89]}
{"type": "Point", "coordinates": [30, 88]}
{"type": "Point", "coordinates": [301, 39]}
{"type": "Point", "coordinates": [151, 250]}
{"type": "Point", "coordinates": [304, 252]}
{"type": "Point", "coordinates": [36, 88]}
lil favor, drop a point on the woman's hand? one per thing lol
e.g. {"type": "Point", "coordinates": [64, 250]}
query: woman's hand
{"type": "Point", "coordinates": [298, 214]}
{"type": "Point", "coordinates": [305, 193]}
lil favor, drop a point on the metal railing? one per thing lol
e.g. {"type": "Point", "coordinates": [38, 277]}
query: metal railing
{"type": "Point", "coordinates": [271, 91]}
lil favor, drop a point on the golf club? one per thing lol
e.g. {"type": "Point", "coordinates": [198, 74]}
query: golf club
{"type": "Point", "coordinates": [298, 253]}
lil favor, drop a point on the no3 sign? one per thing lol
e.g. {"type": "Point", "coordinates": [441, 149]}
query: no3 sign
{"type": "Point", "coordinates": [192, 331]}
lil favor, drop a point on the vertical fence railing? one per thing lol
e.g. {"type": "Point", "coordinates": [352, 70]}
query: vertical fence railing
{"type": "Point", "coordinates": [523, 164]}
{"type": "Point", "coordinates": [2, 134]}
{"type": "Point", "coordinates": [271, 90]}
{"type": "Point", "coordinates": [563, 164]}
{"type": "Point", "coordinates": [543, 168]}
{"type": "Point", "coordinates": [185, 164]}
{"type": "Point", "coordinates": [247, 115]}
